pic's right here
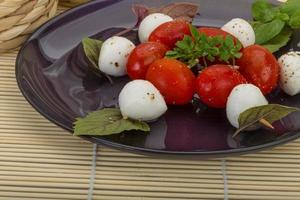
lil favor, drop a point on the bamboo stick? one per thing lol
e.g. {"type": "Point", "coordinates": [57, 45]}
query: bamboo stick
{"type": "Point", "coordinates": [81, 147]}
{"type": "Point", "coordinates": [263, 183]}
{"type": "Point", "coordinates": [56, 166]}
{"type": "Point", "coordinates": [158, 184]}
{"type": "Point", "coordinates": [266, 193]}
{"type": "Point", "coordinates": [256, 197]}
{"type": "Point", "coordinates": [278, 188]}
{"type": "Point", "coordinates": [158, 172]}
{"type": "Point", "coordinates": [105, 197]}
{"type": "Point", "coordinates": [258, 159]}
{"type": "Point", "coordinates": [45, 181]}
{"type": "Point", "coordinates": [45, 175]}
{"type": "Point", "coordinates": [43, 160]}
{"type": "Point", "coordinates": [29, 198]}
{"type": "Point", "coordinates": [47, 171]}
{"type": "Point", "coordinates": [158, 189]}
{"type": "Point", "coordinates": [42, 195]}
{"type": "Point", "coordinates": [115, 197]}
{"type": "Point", "coordinates": [217, 195]}
{"type": "Point", "coordinates": [149, 161]}
{"type": "Point", "coordinates": [49, 156]}
{"type": "Point", "coordinates": [44, 190]}
{"type": "Point", "coordinates": [66, 136]}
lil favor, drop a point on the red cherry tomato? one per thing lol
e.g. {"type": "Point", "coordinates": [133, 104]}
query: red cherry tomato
{"type": "Point", "coordinates": [215, 83]}
{"type": "Point", "coordinates": [210, 32]}
{"type": "Point", "coordinates": [174, 80]}
{"type": "Point", "coordinates": [260, 67]}
{"type": "Point", "coordinates": [170, 32]}
{"type": "Point", "coordinates": [142, 57]}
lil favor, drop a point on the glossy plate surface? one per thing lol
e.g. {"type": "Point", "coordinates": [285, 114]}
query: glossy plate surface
{"type": "Point", "coordinates": [53, 75]}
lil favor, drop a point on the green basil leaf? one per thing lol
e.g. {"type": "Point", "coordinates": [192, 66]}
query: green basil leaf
{"type": "Point", "coordinates": [255, 24]}
{"type": "Point", "coordinates": [270, 112]}
{"type": "Point", "coordinates": [107, 121]}
{"type": "Point", "coordinates": [283, 16]}
{"type": "Point", "coordinates": [290, 7]}
{"type": "Point", "coordinates": [92, 49]}
{"type": "Point", "coordinates": [262, 11]}
{"type": "Point", "coordinates": [267, 31]}
{"type": "Point", "coordinates": [295, 20]}
{"type": "Point", "coordinates": [279, 41]}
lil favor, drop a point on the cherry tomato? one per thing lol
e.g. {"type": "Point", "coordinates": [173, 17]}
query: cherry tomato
{"type": "Point", "coordinates": [210, 32]}
{"type": "Point", "coordinates": [260, 67]}
{"type": "Point", "coordinates": [174, 80]}
{"type": "Point", "coordinates": [170, 32]}
{"type": "Point", "coordinates": [214, 84]}
{"type": "Point", "coordinates": [142, 57]}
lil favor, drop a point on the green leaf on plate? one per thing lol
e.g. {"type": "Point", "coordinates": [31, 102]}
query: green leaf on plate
{"type": "Point", "coordinates": [263, 11]}
{"type": "Point", "coordinates": [295, 20]}
{"type": "Point", "coordinates": [290, 7]}
{"type": "Point", "coordinates": [107, 121]}
{"type": "Point", "coordinates": [267, 31]}
{"type": "Point", "coordinates": [270, 112]}
{"type": "Point", "coordinates": [92, 49]}
{"type": "Point", "coordinates": [279, 41]}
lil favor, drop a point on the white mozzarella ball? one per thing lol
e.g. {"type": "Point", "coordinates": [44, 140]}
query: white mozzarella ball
{"type": "Point", "coordinates": [290, 72]}
{"type": "Point", "coordinates": [114, 55]}
{"type": "Point", "coordinates": [241, 98]}
{"type": "Point", "coordinates": [140, 100]}
{"type": "Point", "coordinates": [242, 30]}
{"type": "Point", "coordinates": [150, 23]}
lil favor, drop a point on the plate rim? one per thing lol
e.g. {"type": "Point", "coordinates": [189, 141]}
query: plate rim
{"type": "Point", "coordinates": [120, 146]}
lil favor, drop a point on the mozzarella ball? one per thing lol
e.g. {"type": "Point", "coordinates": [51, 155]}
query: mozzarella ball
{"type": "Point", "coordinates": [150, 23]}
{"type": "Point", "coordinates": [242, 30]}
{"type": "Point", "coordinates": [140, 100]}
{"type": "Point", "coordinates": [241, 98]}
{"type": "Point", "coordinates": [290, 72]}
{"type": "Point", "coordinates": [114, 55]}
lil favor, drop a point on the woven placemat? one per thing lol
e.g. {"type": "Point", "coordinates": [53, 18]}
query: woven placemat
{"type": "Point", "coordinates": [39, 160]}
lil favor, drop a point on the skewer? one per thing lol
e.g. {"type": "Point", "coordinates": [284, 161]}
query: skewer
{"type": "Point", "coordinates": [266, 123]}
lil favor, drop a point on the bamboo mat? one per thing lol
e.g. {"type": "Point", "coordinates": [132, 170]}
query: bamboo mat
{"type": "Point", "coordinates": [39, 160]}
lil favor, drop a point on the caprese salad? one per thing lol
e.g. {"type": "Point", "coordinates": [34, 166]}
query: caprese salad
{"type": "Point", "coordinates": [230, 68]}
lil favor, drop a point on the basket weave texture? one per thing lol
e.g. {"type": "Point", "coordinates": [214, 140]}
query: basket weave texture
{"type": "Point", "coordinates": [71, 3]}
{"type": "Point", "coordinates": [19, 18]}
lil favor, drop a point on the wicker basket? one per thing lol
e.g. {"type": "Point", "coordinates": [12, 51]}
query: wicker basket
{"type": "Point", "coordinates": [18, 18]}
{"type": "Point", "coordinates": [71, 3]}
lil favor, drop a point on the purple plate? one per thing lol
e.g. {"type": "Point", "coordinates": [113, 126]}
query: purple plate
{"type": "Point", "coordinates": [53, 75]}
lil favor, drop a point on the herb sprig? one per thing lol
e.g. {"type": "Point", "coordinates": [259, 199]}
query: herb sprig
{"type": "Point", "coordinates": [209, 48]}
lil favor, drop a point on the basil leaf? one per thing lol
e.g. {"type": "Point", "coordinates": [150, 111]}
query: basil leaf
{"type": "Point", "coordinates": [279, 41]}
{"type": "Point", "coordinates": [107, 121]}
{"type": "Point", "coordinates": [262, 11]}
{"type": "Point", "coordinates": [290, 7]}
{"type": "Point", "coordinates": [267, 31]}
{"type": "Point", "coordinates": [92, 49]}
{"type": "Point", "coordinates": [283, 16]}
{"type": "Point", "coordinates": [255, 24]}
{"type": "Point", "coordinates": [295, 20]}
{"type": "Point", "coordinates": [270, 112]}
